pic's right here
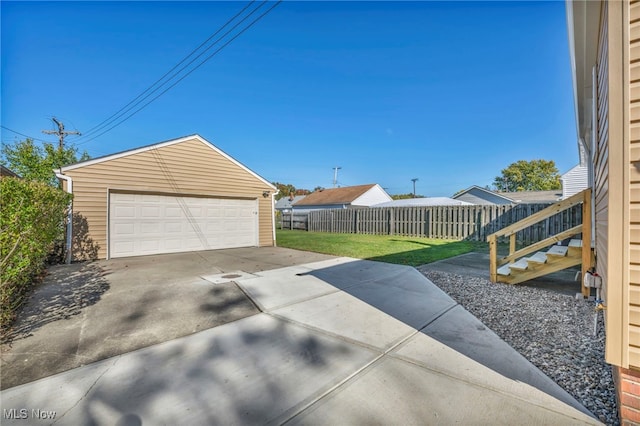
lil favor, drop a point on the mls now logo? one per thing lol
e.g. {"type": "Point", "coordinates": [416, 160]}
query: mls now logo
{"type": "Point", "coordinates": [42, 414]}
{"type": "Point", "coordinates": [14, 413]}
{"type": "Point", "coordinates": [23, 413]}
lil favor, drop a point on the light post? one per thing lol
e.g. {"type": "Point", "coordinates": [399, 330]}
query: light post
{"type": "Point", "coordinates": [414, 186]}
{"type": "Point", "coordinates": [335, 175]}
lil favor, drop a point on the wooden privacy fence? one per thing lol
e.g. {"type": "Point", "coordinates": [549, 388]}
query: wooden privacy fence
{"type": "Point", "coordinates": [445, 222]}
{"type": "Point", "coordinates": [293, 221]}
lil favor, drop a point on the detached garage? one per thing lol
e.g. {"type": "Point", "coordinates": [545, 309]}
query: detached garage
{"type": "Point", "coordinates": [175, 196]}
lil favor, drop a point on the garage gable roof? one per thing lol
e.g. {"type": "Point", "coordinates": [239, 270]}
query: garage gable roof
{"type": "Point", "coordinates": [162, 145]}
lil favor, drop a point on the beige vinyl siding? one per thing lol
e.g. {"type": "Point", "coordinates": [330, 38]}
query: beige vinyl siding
{"type": "Point", "coordinates": [616, 178]}
{"type": "Point", "coordinates": [600, 163]}
{"type": "Point", "coordinates": [186, 168]}
{"type": "Point", "coordinates": [633, 183]}
{"type": "Point", "coordinates": [611, 185]}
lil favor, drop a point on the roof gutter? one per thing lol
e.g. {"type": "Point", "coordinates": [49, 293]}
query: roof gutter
{"type": "Point", "coordinates": [69, 235]}
{"type": "Point", "coordinates": [273, 215]}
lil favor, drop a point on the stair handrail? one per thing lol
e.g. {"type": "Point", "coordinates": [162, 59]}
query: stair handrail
{"type": "Point", "coordinates": [541, 215]}
{"type": "Point", "coordinates": [583, 197]}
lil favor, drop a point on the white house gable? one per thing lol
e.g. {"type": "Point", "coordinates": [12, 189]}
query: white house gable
{"type": "Point", "coordinates": [375, 195]}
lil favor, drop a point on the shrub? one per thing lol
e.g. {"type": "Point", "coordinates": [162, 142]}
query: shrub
{"type": "Point", "coordinates": [31, 220]}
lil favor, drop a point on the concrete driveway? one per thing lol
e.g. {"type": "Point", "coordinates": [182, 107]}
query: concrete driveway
{"type": "Point", "coordinates": [87, 312]}
{"type": "Point", "coordinates": [340, 341]}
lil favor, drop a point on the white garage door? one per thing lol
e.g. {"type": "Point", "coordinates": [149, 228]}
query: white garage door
{"type": "Point", "coordinates": [141, 224]}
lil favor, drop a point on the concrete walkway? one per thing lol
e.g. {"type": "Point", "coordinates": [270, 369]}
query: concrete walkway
{"type": "Point", "coordinates": [340, 341]}
{"type": "Point", "coordinates": [476, 264]}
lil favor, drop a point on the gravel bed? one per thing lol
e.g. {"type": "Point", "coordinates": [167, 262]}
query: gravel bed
{"type": "Point", "coordinates": [553, 331]}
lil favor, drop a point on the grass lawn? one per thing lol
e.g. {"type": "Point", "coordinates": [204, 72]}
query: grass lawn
{"type": "Point", "coordinates": [411, 251]}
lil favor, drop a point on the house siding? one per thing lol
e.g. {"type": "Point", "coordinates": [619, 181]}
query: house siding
{"type": "Point", "coordinates": [187, 168]}
{"type": "Point", "coordinates": [575, 180]}
{"type": "Point", "coordinates": [308, 208]}
{"type": "Point", "coordinates": [615, 158]}
{"type": "Point", "coordinates": [632, 154]}
{"type": "Point", "coordinates": [617, 115]}
{"type": "Point", "coordinates": [373, 196]}
{"type": "Point", "coordinates": [601, 172]}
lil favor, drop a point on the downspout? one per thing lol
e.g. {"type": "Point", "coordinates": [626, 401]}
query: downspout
{"type": "Point", "coordinates": [69, 236]}
{"type": "Point", "coordinates": [273, 215]}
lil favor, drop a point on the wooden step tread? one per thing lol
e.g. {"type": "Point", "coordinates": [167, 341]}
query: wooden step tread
{"type": "Point", "coordinates": [559, 251]}
{"type": "Point", "coordinates": [539, 257]}
{"type": "Point", "coordinates": [504, 270]}
{"type": "Point", "coordinates": [520, 265]}
{"type": "Point", "coordinates": [575, 243]}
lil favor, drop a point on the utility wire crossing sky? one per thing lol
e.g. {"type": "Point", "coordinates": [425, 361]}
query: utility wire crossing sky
{"type": "Point", "coordinates": [449, 93]}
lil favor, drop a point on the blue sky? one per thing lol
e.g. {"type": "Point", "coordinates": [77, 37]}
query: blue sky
{"type": "Point", "coordinates": [446, 92]}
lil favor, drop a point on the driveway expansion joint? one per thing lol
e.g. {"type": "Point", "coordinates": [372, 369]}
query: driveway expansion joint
{"type": "Point", "coordinates": [95, 382]}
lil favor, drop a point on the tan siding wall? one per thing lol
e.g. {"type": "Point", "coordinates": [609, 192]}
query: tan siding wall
{"type": "Point", "coordinates": [187, 168]}
{"type": "Point", "coordinates": [631, 156]}
{"type": "Point", "coordinates": [634, 182]}
{"type": "Point", "coordinates": [614, 127]}
{"type": "Point", "coordinates": [600, 160]}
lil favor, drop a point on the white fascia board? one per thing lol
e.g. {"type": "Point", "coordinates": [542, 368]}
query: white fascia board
{"type": "Point", "coordinates": [572, 57]}
{"type": "Point", "coordinates": [162, 145]}
{"type": "Point", "coordinates": [583, 21]}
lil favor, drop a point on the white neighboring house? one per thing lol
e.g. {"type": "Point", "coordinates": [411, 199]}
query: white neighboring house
{"type": "Point", "coordinates": [343, 198]}
{"type": "Point", "coordinates": [423, 202]}
{"type": "Point", "coordinates": [576, 179]}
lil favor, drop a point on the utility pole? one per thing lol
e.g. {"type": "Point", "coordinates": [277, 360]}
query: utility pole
{"type": "Point", "coordinates": [335, 175]}
{"type": "Point", "coordinates": [61, 133]}
{"type": "Point", "coordinates": [414, 186]}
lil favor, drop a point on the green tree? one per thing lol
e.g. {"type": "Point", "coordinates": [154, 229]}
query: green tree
{"type": "Point", "coordinates": [284, 189]}
{"type": "Point", "coordinates": [534, 175]}
{"type": "Point", "coordinates": [37, 163]}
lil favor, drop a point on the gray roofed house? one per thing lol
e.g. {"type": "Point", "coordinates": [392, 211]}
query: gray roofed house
{"type": "Point", "coordinates": [534, 196]}
{"type": "Point", "coordinates": [478, 195]}
{"type": "Point", "coordinates": [284, 204]}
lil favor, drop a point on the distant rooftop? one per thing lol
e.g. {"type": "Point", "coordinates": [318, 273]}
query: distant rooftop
{"type": "Point", "coordinates": [534, 196]}
{"type": "Point", "coordinates": [332, 196]}
{"type": "Point", "coordinates": [423, 202]}
{"type": "Point", "coordinates": [286, 202]}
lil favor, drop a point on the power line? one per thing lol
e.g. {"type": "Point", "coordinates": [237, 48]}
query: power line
{"type": "Point", "coordinates": [115, 115]}
{"type": "Point", "coordinates": [141, 98]}
{"type": "Point", "coordinates": [22, 134]}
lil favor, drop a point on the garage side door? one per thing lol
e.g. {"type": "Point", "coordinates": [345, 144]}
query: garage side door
{"type": "Point", "coordinates": [142, 224]}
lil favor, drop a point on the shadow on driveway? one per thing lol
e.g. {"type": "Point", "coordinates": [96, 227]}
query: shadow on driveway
{"type": "Point", "coordinates": [405, 294]}
{"type": "Point", "coordinates": [84, 313]}
{"type": "Point", "coordinates": [68, 289]}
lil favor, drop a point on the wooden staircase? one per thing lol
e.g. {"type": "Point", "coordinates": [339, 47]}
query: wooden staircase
{"type": "Point", "coordinates": [516, 267]}
{"type": "Point", "coordinates": [542, 263]}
